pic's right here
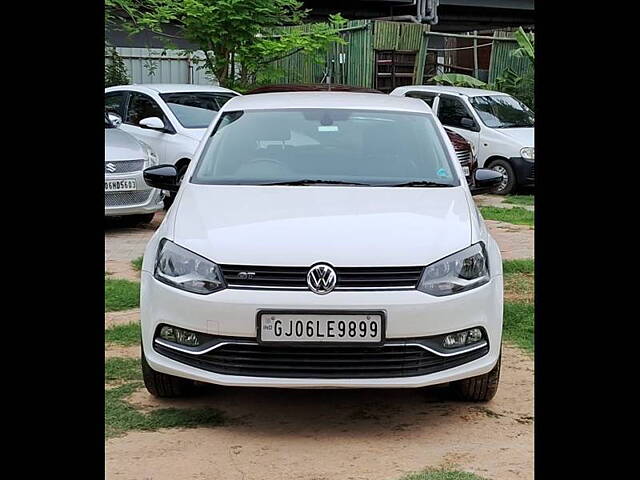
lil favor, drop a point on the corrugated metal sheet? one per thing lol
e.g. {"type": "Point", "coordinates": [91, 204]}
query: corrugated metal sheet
{"type": "Point", "coordinates": [501, 59]}
{"type": "Point", "coordinates": [146, 65]}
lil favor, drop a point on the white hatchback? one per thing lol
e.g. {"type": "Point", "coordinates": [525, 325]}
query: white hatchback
{"type": "Point", "coordinates": [500, 128]}
{"type": "Point", "coordinates": [322, 240]}
{"type": "Point", "coordinates": [171, 118]}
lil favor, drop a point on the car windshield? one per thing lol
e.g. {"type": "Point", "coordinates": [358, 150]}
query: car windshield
{"type": "Point", "coordinates": [326, 146]}
{"type": "Point", "coordinates": [195, 109]}
{"type": "Point", "coordinates": [502, 111]}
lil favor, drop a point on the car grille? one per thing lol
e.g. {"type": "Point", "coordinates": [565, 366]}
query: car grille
{"type": "Point", "coordinates": [123, 166]}
{"type": "Point", "coordinates": [254, 360]}
{"type": "Point", "coordinates": [532, 173]}
{"type": "Point", "coordinates": [121, 199]}
{"type": "Point", "coordinates": [369, 278]}
{"type": "Point", "coordinates": [464, 157]}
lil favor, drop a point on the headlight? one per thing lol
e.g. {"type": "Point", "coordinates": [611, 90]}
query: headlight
{"type": "Point", "coordinates": [151, 158]}
{"type": "Point", "coordinates": [527, 152]}
{"type": "Point", "coordinates": [456, 273]}
{"type": "Point", "coordinates": [180, 268]}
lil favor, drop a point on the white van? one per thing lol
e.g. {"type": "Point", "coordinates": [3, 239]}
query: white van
{"type": "Point", "coordinates": [499, 126]}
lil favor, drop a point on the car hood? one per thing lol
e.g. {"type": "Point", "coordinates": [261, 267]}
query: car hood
{"type": "Point", "coordinates": [522, 136]}
{"type": "Point", "coordinates": [300, 226]}
{"type": "Point", "coordinates": [119, 145]}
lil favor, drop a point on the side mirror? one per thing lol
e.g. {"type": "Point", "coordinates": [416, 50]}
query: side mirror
{"type": "Point", "coordinates": [164, 177]}
{"type": "Point", "coordinates": [115, 119]}
{"type": "Point", "coordinates": [469, 124]}
{"type": "Point", "coordinates": [153, 123]}
{"type": "Point", "coordinates": [485, 181]}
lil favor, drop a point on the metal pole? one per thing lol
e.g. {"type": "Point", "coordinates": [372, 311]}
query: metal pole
{"type": "Point", "coordinates": [475, 55]}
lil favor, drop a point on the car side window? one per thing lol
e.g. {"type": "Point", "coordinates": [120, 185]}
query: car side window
{"type": "Point", "coordinates": [451, 111]}
{"type": "Point", "coordinates": [222, 99]}
{"type": "Point", "coordinates": [114, 102]}
{"type": "Point", "coordinates": [427, 97]}
{"type": "Point", "coordinates": [141, 106]}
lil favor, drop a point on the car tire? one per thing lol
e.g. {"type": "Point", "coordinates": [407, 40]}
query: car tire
{"type": "Point", "coordinates": [478, 389]}
{"type": "Point", "coordinates": [509, 184]}
{"type": "Point", "coordinates": [162, 385]}
{"type": "Point", "coordinates": [168, 200]}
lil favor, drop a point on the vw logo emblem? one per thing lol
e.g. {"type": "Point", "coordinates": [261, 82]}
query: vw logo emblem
{"type": "Point", "coordinates": [321, 279]}
{"type": "Point", "coordinates": [110, 167]}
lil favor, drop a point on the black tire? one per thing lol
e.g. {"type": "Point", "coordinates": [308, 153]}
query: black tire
{"type": "Point", "coordinates": [504, 167]}
{"type": "Point", "coordinates": [168, 200]}
{"type": "Point", "coordinates": [478, 389]}
{"type": "Point", "coordinates": [163, 385]}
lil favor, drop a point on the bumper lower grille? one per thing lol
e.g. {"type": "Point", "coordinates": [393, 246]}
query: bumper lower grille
{"type": "Point", "coordinates": [123, 166]}
{"type": "Point", "coordinates": [124, 199]}
{"type": "Point", "coordinates": [373, 278]}
{"type": "Point", "coordinates": [321, 362]}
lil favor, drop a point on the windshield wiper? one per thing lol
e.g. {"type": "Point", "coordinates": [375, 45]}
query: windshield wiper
{"type": "Point", "coordinates": [307, 181]}
{"type": "Point", "coordinates": [418, 183]}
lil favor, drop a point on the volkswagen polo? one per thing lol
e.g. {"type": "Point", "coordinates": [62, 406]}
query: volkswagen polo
{"type": "Point", "coordinates": [322, 240]}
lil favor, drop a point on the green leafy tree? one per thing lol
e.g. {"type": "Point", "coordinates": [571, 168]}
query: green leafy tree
{"type": "Point", "coordinates": [115, 71]}
{"type": "Point", "coordinates": [238, 38]}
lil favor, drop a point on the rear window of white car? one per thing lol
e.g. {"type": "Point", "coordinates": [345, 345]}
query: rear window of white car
{"type": "Point", "coordinates": [360, 146]}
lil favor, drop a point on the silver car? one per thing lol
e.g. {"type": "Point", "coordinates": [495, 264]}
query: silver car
{"type": "Point", "coordinates": [125, 192]}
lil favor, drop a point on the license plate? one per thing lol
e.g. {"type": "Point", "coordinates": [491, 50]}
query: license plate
{"type": "Point", "coordinates": [119, 185]}
{"type": "Point", "coordinates": [466, 171]}
{"type": "Point", "coordinates": [320, 327]}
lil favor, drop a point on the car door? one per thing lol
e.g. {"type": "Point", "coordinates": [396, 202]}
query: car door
{"type": "Point", "coordinates": [453, 113]}
{"type": "Point", "coordinates": [142, 106]}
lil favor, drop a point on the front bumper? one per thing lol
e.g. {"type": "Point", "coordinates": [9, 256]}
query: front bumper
{"type": "Point", "coordinates": [410, 314]}
{"type": "Point", "coordinates": [525, 171]}
{"type": "Point", "coordinates": [142, 201]}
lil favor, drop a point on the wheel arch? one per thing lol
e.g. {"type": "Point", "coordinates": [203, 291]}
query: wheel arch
{"type": "Point", "coordinates": [494, 158]}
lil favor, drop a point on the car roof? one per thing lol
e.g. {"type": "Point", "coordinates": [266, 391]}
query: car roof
{"type": "Point", "coordinates": [171, 88]}
{"type": "Point", "coordinates": [350, 100]}
{"type": "Point", "coordinates": [469, 92]}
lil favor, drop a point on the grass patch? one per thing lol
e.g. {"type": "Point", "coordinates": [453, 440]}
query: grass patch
{"type": "Point", "coordinates": [136, 263]}
{"type": "Point", "coordinates": [125, 335]}
{"type": "Point", "coordinates": [121, 417]}
{"type": "Point", "coordinates": [119, 369]}
{"type": "Point", "coordinates": [520, 199]}
{"type": "Point", "coordinates": [442, 475]}
{"type": "Point", "coordinates": [525, 265]}
{"type": "Point", "coordinates": [519, 324]}
{"type": "Point", "coordinates": [120, 294]}
{"type": "Point", "coordinates": [515, 215]}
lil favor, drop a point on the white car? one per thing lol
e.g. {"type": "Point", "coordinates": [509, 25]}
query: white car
{"type": "Point", "coordinates": [125, 192]}
{"type": "Point", "coordinates": [322, 240]}
{"type": "Point", "coordinates": [500, 127]}
{"type": "Point", "coordinates": [171, 118]}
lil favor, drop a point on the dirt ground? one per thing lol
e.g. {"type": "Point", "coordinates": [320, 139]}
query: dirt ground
{"type": "Point", "coordinates": [278, 434]}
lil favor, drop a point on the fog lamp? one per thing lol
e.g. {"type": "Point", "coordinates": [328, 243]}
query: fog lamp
{"type": "Point", "coordinates": [460, 339]}
{"type": "Point", "coordinates": [455, 340]}
{"type": "Point", "coordinates": [179, 335]}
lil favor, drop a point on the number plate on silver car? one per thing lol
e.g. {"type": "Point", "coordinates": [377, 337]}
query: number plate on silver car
{"type": "Point", "coordinates": [320, 327]}
{"type": "Point", "coordinates": [119, 185]}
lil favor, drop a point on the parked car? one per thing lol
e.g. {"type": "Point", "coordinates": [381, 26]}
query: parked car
{"type": "Point", "coordinates": [500, 127]}
{"type": "Point", "coordinates": [465, 153]}
{"type": "Point", "coordinates": [170, 117]}
{"type": "Point", "coordinates": [322, 239]}
{"type": "Point", "coordinates": [464, 149]}
{"type": "Point", "coordinates": [125, 192]}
